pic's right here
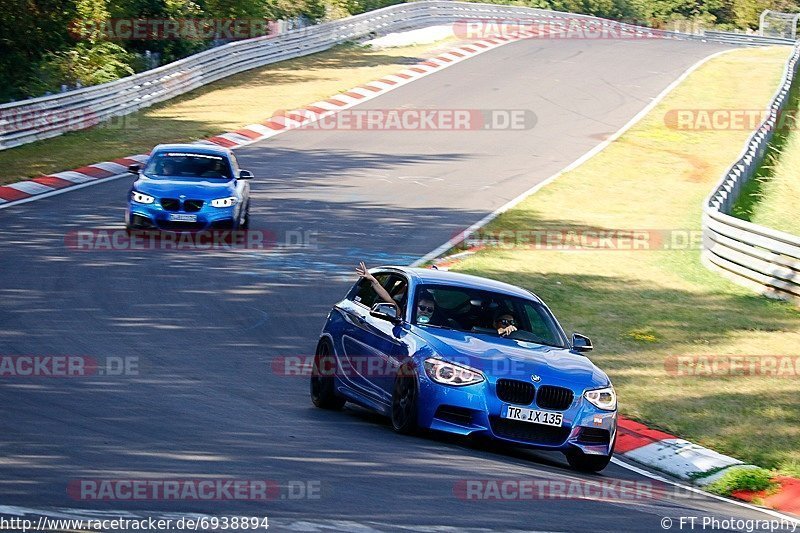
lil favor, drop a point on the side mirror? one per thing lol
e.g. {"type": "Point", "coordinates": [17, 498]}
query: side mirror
{"type": "Point", "coordinates": [386, 311]}
{"type": "Point", "coordinates": [134, 169]}
{"type": "Point", "coordinates": [581, 343]}
{"type": "Point", "coordinates": [245, 175]}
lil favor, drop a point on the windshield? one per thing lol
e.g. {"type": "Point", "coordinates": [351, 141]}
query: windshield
{"type": "Point", "coordinates": [490, 313]}
{"type": "Point", "coordinates": [183, 164]}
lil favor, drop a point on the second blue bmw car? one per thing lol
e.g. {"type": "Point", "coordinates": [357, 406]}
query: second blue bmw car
{"type": "Point", "coordinates": [466, 355]}
{"type": "Point", "coordinates": [189, 187]}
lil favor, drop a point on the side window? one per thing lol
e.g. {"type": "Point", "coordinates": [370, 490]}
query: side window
{"type": "Point", "coordinates": [235, 163]}
{"type": "Point", "coordinates": [540, 324]}
{"type": "Point", "coordinates": [397, 287]}
{"type": "Point", "coordinates": [363, 292]}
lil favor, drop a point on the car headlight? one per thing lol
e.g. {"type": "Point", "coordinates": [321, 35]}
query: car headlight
{"type": "Point", "coordinates": [604, 398]}
{"type": "Point", "coordinates": [230, 201]}
{"type": "Point", "coordinates": [451, 374]}
{"type": "Point", "coordinates": [141, 198]}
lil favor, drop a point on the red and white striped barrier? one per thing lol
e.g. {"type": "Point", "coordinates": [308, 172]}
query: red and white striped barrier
{"type": "Point", "coordinates": [26, 191]}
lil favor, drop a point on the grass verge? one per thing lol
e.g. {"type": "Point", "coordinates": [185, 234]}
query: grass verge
{"type": "Point", "coordinates": [751, 479]}
{"type": "Point", "coordinates": [643, 308]}
{"type": "Point", "coordinates": [226, 105]}
{"type": "Point", "coordinates": [772, 196]}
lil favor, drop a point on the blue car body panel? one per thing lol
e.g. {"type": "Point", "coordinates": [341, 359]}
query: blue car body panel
{"type": "Point", "coordinates": [353, 332]}
{"type": "Point", "coordinates": [155, 216]}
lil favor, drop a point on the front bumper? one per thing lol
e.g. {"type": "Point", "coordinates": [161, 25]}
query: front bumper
{"type": "Point", "coordinates": [154, 217]}
{"type": "Point", "coordinates": [476, 410]}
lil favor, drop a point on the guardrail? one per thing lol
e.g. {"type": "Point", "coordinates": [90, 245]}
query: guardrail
{"type": "Point", "coordinates": [49, 116]}
{"type": "Point", "coordinates": [763, 259]}
{"type": "Point", "coordinates": [745, 39]}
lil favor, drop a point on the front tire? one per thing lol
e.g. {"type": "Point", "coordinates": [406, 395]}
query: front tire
{"type": "Point", "coordinates": [246, 222]}
{"type": "Point", "coordinates": [405, 396]}
{"type": "Point", "coordinates": [323, 387]}
{"type": "Point", "coordinates": [587, 463]}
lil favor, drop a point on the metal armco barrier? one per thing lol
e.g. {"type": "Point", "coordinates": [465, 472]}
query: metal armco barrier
{"type": "Point", "coordinates": [763, 259]}
{"type": "Point", "coordinates": [745, 39]}
{"type": "Point", "coordinates": [48, 116]}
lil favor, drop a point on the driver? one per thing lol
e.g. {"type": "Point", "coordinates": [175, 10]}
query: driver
{"type": "Point", "coordinates": [505, 324]}
{"type": "Point", "coordinates": [216, 170]}
{"type": "Point", "coordinates": [168, 168]}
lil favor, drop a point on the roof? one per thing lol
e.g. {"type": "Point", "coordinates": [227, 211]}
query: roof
{"type": "Point", "coordinates": [193, 148]}
{"type": "Point", "coordinates": [444, 277]}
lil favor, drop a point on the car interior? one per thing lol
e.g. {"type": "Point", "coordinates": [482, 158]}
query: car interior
{"type": "Point", "coordinates": [195, 166]}
{"type": "Point", "coordinates": [477, 312]}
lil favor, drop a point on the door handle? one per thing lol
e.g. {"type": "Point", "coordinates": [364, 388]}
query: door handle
{"type": "Point", "coordinates": [361, 319]}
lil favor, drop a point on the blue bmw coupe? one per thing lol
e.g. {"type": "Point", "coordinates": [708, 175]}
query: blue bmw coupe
{"type": "Point", "coordinates": [465, 355]}
{"type": "Point", "coordinates": [189, 187]}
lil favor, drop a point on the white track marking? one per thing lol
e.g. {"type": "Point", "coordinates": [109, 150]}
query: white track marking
{"type": "Point", "coordinates": [689, 488]}
{"type": "Point", "coordinates": [349, 102]}
{"type": "Point", "coordinates": [582, 159]}
{"type": "Point", "coordinates": [62, 191]}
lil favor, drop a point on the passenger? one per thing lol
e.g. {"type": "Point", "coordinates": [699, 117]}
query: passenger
{"type": "Point", "coordinates": [426, 306]}
{"type": "Point", "coordinates": [363, 272]}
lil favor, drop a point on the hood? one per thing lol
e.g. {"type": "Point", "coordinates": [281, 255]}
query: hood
{"type": "Point", "coordinates": [199, 188]}
{"type": "Point", "coordinates": [498, 358]}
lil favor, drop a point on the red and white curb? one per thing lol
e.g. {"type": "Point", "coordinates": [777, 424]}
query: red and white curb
{"type": "Point", "coordinates": [670, 454]}
{"type": "Point", "coordinates": [26, 191]}
{"type": "Point", "coordinates": [309, 114]}
{"type": "Point", "coordinates": [695, 464]}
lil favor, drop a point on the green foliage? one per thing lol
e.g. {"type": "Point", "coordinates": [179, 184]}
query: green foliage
{"type": "Point", "coordinates": [341, 8]}
{"type": "Point", "coordinates": [790, 468]}
{"type": "Point", "coordinates": [752, 479]}
{"type": "Point", "coordinates": [47, 43]}
{"type": "Point", "coordinates": [86, 64]}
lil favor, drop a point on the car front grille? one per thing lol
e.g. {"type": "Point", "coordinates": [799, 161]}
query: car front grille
{"type": "Point", "coordinates": [594, 436]}
{"type": "Point", "coordinates": [190, 206]}
{"type": "Point", "coordinates": [527, 432]}
{"type": "Point", "coordinates": [514, 391]}
{"type": "Point", "coordinates": [550, 397]}
{"type": "Point", "coordinates": [170, 204]}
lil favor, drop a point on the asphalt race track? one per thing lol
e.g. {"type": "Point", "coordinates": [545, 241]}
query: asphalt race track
{"type": "Point", "coordinates": [205, 326]}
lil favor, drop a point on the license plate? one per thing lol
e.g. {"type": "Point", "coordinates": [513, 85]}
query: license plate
{"type": "Point", "coordinates": [178, 217]}
{"type": "Point", "coordinates": [523, 414]}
